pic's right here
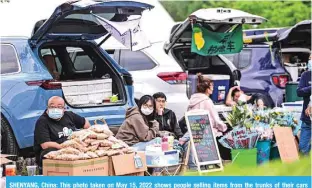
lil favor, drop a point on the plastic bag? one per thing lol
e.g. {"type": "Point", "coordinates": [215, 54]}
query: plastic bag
{"type": "Point", "coordinates": [78, 134]}
{"type": "Point", "coordinates": [72, 144]}
{"type": "Point", "coordinates": [92, 148]}
{"type": "Point", "coordinates": [51, 155]}
{"type": "Point", "coordinates": [84, 156]}
{"type": "Point", "coordinates": [92, 154]}
{"type": "Point", "coordinates": [67, 157]}
{"type": "Point", "coordinates": [106, 143]}
{"type": "Point", "coordinates": [69, 150]}
{"type": "Point", "coordinates": [101, 136]}
{"type": "Point", "coordinates": [88, 141]}
{"type": "Point", "coordinates": [101, 153]}
{"type": "Point", "coordinates": [114, 152]}
{"type": "Point", "coordinates": [104, 148]}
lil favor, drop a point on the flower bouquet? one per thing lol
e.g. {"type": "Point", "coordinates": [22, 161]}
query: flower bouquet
{"type": "Point", "coordinates": [239, 114]}
{"type": "Point", "coordinates": [242, 142]}
{"type": "Point", "coordinates": [240, 138]}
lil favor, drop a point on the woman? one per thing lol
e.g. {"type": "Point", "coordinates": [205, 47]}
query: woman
{"type": "Point", "coordinates": [201, 101]}
{"type": "Point", "coordinates": [140, 125]}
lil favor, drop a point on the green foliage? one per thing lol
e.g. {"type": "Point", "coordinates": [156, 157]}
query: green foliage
{"type": "Point", "coordinates": [239, 115]}
{"type": "Point", "coordinates": [275, 168]}
{"type": "Point", "coordinates": [278, 13]}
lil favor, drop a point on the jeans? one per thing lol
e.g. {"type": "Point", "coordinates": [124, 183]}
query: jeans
{"type": "Point", "coordinates": [305, 138]}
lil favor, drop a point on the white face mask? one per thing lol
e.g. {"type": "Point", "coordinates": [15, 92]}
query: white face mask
{"type": "Point", "coordinates": [146, 111]}
{"type": "Point", "coordinates": [242, 98]}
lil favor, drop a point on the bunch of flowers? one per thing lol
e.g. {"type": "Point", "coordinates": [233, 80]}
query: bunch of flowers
{"type": "Point", "coordinates": [239, 115]}
{"type": "Point", "coordinates": [263, 122]}
{"type": "Point", "coordinates": [240, 138]}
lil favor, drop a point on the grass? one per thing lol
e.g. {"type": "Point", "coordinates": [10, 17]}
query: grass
{"type": "Point", "coordinates": [273, 168]}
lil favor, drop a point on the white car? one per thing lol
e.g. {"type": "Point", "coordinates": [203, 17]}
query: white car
{"type": "Point", "coordinates": [154, 71]}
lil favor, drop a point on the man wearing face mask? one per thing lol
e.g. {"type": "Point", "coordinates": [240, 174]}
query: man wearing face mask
{"type": "Point", "coordinates": [304, 90]}
{"type": "Point", "coordinates": [54, 126]}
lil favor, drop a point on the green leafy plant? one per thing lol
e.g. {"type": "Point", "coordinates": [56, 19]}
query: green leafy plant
{"type": "Point", "coordinates": [239, 115]}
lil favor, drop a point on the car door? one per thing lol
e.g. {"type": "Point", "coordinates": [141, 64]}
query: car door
{"type": "Point", "coordinates": [79, 20]}
{"type": "Point", "coordinates": [215, 19]}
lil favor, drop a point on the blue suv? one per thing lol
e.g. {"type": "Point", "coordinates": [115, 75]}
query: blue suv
{"type": "Point", "coordinates": [37, 68]}
{"type": "Point", "coordinates": [265, 71]}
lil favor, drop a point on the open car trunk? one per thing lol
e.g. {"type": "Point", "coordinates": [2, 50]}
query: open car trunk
{"type": "Point", "coordinates": [213, 67]}
{"type": "Point", "coordinates": [295, 48]}
{"type": "Point", "coordinates": [295, 61]}
{"type": "Point", "coordinates": [86, 77]}
{"type": "Point", "coordinates": [66, 46]}
{"type": "Point", "coordinates": [217, 68]}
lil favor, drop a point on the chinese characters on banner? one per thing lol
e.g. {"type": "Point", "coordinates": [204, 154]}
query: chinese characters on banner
{"type": "Point", "coordinates": [208, 43]}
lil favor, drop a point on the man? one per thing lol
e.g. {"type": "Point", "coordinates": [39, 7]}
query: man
{"type": "Point", "coordinates": [166, 118]}
{"type": "Point", "coordinates": [304, 90]}
{"type": "Point", "coordinates": [54, 126]}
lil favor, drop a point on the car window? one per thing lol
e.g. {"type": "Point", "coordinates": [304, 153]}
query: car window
{"type": "Point", "coordinates": [244, 58]}
{"type": "Point", "coordinates": [240, 60]}
{"type": "Point", "coordinates": [216, 61]}
{"type": "Point", "coordinates": [9, 61]}
{"type": "Point", "coordinates": [81, 61]}
{"type": "Point", "coordinates": [233, 58]}
{"type": "Point", "coordinates": [135, 60]}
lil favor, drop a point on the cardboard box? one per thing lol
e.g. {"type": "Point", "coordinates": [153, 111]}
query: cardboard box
{"type": "Point", "coordinates": [123, 165]}
{"type": "Point", "coordinates": [90, 167]}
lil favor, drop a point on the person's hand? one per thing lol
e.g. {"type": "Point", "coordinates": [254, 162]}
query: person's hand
{"type": "Point", "coordinates": [308, 111]}
{"type": "Point", "coordinates": [160, 111]}
{"type": "Point", "coordinates": [235, 87]}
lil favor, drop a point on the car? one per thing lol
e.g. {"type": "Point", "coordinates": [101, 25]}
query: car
{"type": "Point", "coordinates": [155, 69]}
{"type": "Point", "coordinates": [37, 68]}
{"type": "Point", "coordinates": [179, 47]}
{"type": "Point", "coordinates": [262, 75]}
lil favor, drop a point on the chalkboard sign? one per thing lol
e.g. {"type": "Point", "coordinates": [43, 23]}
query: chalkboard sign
{"type": "Point", "coordinates": [202, 138]}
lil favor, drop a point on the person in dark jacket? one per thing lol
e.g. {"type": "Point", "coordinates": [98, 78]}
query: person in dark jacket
{"type": "Point", "coordinates": [304, 90]}
{"type": "Point", "coordinates": [166, 118]}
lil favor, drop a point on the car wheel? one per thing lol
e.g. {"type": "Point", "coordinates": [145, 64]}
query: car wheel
{"type": "Point", "coordinates": [8, 142]}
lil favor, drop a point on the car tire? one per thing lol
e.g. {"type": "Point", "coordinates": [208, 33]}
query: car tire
{"type": "Point", "coordinates": [8, 142]}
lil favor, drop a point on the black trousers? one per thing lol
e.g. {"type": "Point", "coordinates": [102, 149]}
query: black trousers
{"type": "Point", "coordinates": [40, 157]}
{"type": "Point", "coordinates": [225, 153]}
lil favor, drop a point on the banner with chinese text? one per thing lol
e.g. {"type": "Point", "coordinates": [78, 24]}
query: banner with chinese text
{"type": "Point", "coordinates": [209, 43]}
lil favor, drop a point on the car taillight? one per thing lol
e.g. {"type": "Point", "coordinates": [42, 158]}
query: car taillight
{"type": "Point", "coordinates": [173, 77]}
{"type": "Point", "coordinates": [280, 80]}
{"type": "Point", "coordinates": [45, 84]}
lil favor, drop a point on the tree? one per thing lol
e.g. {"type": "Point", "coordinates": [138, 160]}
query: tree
{"type": "Point", "coordinates": [278, 13]}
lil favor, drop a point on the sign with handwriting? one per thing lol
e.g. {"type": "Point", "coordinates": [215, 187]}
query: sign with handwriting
{"type": "Point", "coordinates": [202, 138]}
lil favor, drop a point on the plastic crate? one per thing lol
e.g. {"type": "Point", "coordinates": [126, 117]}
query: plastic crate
{"type": "Point", "coordinates": [166, 158]}
{"type": "Point", "coordinates": [87, 92]}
